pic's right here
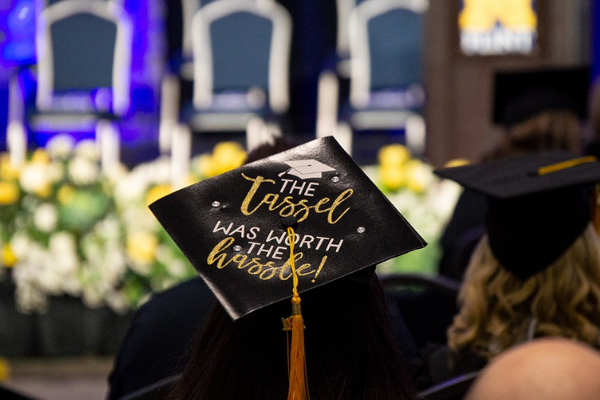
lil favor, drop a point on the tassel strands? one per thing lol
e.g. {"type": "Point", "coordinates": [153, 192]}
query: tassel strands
{"type": "Point", "coordinates": [298, 384]}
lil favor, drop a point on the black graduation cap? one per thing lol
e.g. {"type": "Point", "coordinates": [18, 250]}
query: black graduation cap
{"type": "Point", "coordinates": [538, 205]}
{"type": "Point", "coordinates": [232, 227]}
{"type": "Point", "coordinates": [519, 95]}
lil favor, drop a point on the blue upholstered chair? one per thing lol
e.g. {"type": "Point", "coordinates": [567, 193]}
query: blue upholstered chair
{"type": "Point", "coordinates": [82, 72]}
{"type": "Point", "coordinates": [241, 52]}
{"type": "Point", "coordinates": [386, 91]}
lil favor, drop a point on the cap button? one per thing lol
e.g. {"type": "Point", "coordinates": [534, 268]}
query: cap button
{"type": "Point", "coordinates": [287, 222]}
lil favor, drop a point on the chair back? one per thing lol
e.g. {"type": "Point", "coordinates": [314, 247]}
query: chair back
{"type": "Point", "coordinates": [453, 389]}
{"type": "Point", "coordinates": [84, 51]}
{"type": "Point", "coordinates": [240, 45]}
{"type": "Point", "coordinates": [343, 10]}
{"type": "Point", "coordinates": [386, 46]}
{"type": "Point", "coordinates": [156, 391]}
{"type": "Point", "coordinates": [412, 293]}
{"type": "Point", "coordinates": [188, 10]}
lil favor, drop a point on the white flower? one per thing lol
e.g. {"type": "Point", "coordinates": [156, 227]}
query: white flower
{"type": "Point", "coordinates": [87, 149]}
{"type": "Point", "coordinates": [142, 269]}
{"type": "Point", "coordinates": [157, 171]}
{"type": "Point", "coordinates": [161, 171]}
{"type": "Point", "coordinates": [91, 297]}
{"type": "Point", "coordinates": [20, 244]}
{"type": "Point", "coordinates": [34, 178]}
{"type": "Point", "coordinates": [50, 280]}
{"type": "Point", "coordinates": [56, 172]}
{"type": "Point", "coordinates": [116, 173]}
{"type": "Point", "coordinates": [45, 217]}
{"type": "Point", "coordinates": [62, 242]}
{"type": "Point", "coordinates": [139, 219]}
{"type": "Point", "coordinates": [71, 285]}
{"type": "Point", "coordinates": [117, 302]}
{"type": "Point", "coordinates": [177, 268]}
{"type": "Point", "coordinates": [130, 189]}
{"type": "Point", "coordinates": [83, 171]}
{"type": "Point", "coordinates": [31, 299]}
{"type": "Point", "coordinates": [443, 198]}
{"type": "Point", "coordinates": [420, 175]}
{"type": "Point", "coordinates": [60, 146]}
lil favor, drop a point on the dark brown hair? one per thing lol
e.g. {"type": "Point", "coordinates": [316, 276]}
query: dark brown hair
{"type": "Point", "coordinates": [350, 351]}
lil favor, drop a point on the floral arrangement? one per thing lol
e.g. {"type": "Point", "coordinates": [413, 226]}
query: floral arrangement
{"type": "Point", "coordinates": [423, 199]}
{"type": "Point", "coordinates": [68, 228]}
{"type": "Point", "coordinates": [58, 226]}
{"type": "Point", "coordinates": [154, 261]}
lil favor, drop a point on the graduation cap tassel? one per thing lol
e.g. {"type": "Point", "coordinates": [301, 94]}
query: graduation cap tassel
{"type": "Point", "coordinates": [298, 385]}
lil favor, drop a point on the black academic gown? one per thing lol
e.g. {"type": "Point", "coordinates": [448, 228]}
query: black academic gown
{"type": "Point", "coordinates": [159, 335]}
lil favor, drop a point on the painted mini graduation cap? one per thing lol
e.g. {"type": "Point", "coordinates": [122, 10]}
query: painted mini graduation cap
{"type": "Point", "coordinates": [519, 95]}
{"type": "Point", "coordinates": [538, 205]}
{"type": "Point", "coordinates": [305, 169]}
{"type": "Point", "coordinates": [232, 227]}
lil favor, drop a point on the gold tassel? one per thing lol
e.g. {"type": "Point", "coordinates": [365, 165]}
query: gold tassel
{"type": "Point", "coordinates": [548, 169]}
{"type": "Point", "coordinates": [298, 385]}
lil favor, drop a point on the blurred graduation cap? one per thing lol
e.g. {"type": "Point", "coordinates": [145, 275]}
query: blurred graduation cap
{"type": "Point", "coordinates": [232, 227]}
{"type": "Point", "coordinates": [520, 95]}
{"type": "Point", "coordinates": [538, 205]}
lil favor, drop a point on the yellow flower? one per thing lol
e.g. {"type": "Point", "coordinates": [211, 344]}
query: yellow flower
{"type": "Point", "coordinates": [40, 156]}
{"type": "Point", "coordinates": [206, 165]}
{"type": "Point", "coordinates": [228, 156]}
{"type": "Point", "coordinates": [393, 154]}
{"type": "Point", "coordinates": [44, 191]}
{"type": "Point", "coordinates": [7, 171]}
{"type": "Point", "coordinates": [418, 176]}
{"type": "Point", "coordinates": [225, 157]}
{"type": "Point", "coordinates": [392, 177]}
{"type": "Point", "coordinates": [35, 178]}
{"type": "Point", "coordinates": [4, 370]}
{"type": "Point", "coordinates": [8, 258]}
{"type": "Point", "coordinates": [457, 162]}
{"type": "Point", "coordinates": [158, 192]}
{"type": "Point", "coordinates": [141, 247]}
{"type": "Point", "coordinates": [9, 193]}
{"type": "Point", "coordinates": [65, 194]}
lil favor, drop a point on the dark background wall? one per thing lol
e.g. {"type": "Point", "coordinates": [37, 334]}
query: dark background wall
{"type": "Point", "coordinates": [460, 88]}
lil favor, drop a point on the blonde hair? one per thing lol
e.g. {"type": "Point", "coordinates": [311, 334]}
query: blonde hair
{"type": "Point", "coordinates": [496, 307]}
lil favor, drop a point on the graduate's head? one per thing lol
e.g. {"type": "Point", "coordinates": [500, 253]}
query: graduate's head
{"type": "Point", "coordinates": [304, 226]}
{"type": "Point", "coordinates": [540, 110]}
{"type": "Point", "coordinates": [522, 94]}
{"type": "Point", "coordinates": [539, 261]}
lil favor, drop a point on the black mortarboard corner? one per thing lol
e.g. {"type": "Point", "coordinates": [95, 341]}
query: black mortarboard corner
{"type": "Point", "coordinates": [538, 205]}
{"type": "Point", "coordinates": [519, 95]}
{"type": "Point", "coordinates": [230, 226]}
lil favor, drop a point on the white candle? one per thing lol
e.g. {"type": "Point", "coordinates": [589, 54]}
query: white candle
{"type": "Point", "coordinates": [181, 151]}
{"type": "Point", "coordinates": [169, 111]}
{"type": "Point", "coordinates": [16, 134]}
{"type": "Point", "coordinates": [16, 140]}
{"type": "Point", "coordinates": [108, 137]}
